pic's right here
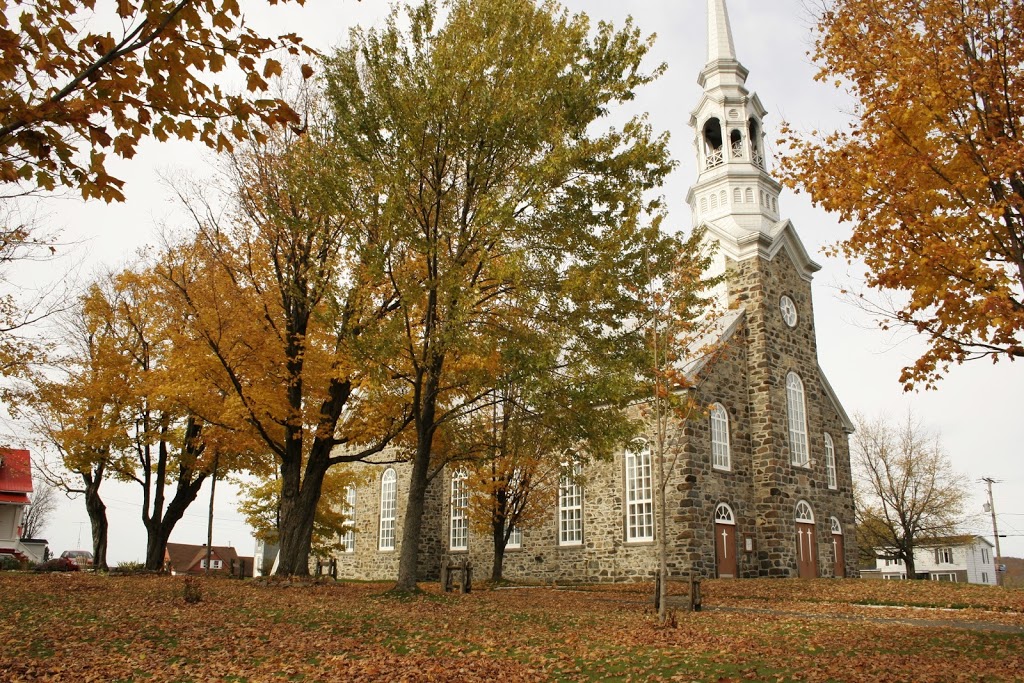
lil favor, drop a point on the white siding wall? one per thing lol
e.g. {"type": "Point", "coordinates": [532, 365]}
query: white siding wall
{"type": "Point", "coordinates": [978, 570]}
{"type": "Point", "coordinates": [10, 518]}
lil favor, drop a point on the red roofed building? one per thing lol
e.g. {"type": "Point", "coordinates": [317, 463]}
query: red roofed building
{"type": "Point", "coordinates": [183, 558]}
{"type": "Point", "coordinates": [15, 487]}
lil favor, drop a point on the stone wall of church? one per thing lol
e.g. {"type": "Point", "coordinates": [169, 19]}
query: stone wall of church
{"type": "Point", "coordinates": [368, 561]}
{"type": "Point", "coordinates": [774, 350]}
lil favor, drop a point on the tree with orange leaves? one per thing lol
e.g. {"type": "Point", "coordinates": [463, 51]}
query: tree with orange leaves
{"type": "Point", "coordinates": [282, 309]}
{"type": "Point", "coordinates": [931, 170]}
{"type": "Point", "coordinates": [80, 80]}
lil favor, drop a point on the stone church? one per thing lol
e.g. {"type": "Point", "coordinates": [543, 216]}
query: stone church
{"type": "Point", "coordinates": [764, 488]}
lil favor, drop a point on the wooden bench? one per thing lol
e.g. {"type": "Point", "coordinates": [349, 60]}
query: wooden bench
{"type": "Point", "coordinates": [693, 581]}
{"type": "Point", "coordinates": [450, 568]}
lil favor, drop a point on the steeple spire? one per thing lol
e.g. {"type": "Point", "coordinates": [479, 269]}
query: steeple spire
{"type": "Point", "coordinates": [734, 196]}
{"type": "Point", "coordinates": [720, 44]}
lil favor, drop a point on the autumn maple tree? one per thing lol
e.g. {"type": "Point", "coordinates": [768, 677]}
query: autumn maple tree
{"type": "Point", "coordinates": [283, 305]}
{"type": "Point", "coordinates": [496, 172]}
{"type": "Point", "coordinates": [906, 491]}
{"type": "Point", "coordinates": [77, 406]}
{"type": "Point", "coordinates": [930, 171]}
{"type": "Point", "coordinates": [82, 80]}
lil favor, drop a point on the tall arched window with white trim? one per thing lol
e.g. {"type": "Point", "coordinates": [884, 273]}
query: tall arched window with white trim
{"type": "Point", "coordinates": [721, 457]}
{"type": "Point", "coordinates": [799, 452]}
{"type": "Point", "coordinates": [348, 538]}
{"type": "Point", "coordinates": [639, 493]}
{"type": "Point", "coordinates": [388, 498]}
{"type": "Point", "coordinates": [458, 536]}
{"type": "Point", "coordinates": [830, 462]}
{"type": "Point", "coordinates": [570, 507]}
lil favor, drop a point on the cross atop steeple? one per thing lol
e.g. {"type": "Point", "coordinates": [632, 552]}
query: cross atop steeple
{"type": "Point", "coordinates": [720, 45]}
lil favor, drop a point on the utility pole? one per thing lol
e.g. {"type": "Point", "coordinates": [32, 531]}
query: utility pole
{"type": "Point", "coordinates": [995, 527]}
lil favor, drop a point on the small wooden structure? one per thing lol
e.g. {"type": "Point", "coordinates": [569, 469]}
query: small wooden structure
{"type": "Point", "coordinates": [450, 568]}
{"type": "Point", "coordinates": [693, 581]}
{"type": "Point", "coordinates": [331, 567]}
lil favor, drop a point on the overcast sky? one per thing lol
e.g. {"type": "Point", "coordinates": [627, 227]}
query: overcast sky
{"type": "Point", "coordinates": [976, 410]}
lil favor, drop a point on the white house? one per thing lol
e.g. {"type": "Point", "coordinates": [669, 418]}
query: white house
{"type": "Point", "coordinates": [961, 559]}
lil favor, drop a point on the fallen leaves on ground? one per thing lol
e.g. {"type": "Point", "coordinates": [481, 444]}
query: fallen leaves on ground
{"type": "Point", "coordinates": [110, 628]}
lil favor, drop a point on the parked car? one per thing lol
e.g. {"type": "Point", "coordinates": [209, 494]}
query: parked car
{"type": "Point", "coordinates": [82, 558]}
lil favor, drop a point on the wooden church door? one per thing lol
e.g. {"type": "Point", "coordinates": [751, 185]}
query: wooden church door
{"type": "Point", "coordinates": [838, 552]}
{"type": "Point", "coordinates": [807, 547]}
{"type": "Point", "coordinates": [725, 542]}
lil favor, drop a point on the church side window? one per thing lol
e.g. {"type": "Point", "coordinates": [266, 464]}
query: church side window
{"type": "Point", "coordinates": [750, 195]}
{"type": "Point", "coordinates": [799, 452]}
{"type": "Point", "coordinates": [515, 539]}
{"type": "Point", "coordinates": [737, 195]}
{"type": "Point", "coordinates": [830, 461]}
{"type": "Point", "coordinates": [720, 455]}
{"type": "Point", "coordinates": [639, 494]}
{"type": "Point", "coordinates": [348, 538]}
{"type": "Point", "coordinates": [570, 508]}
{"type": "Point", "coordinates": [388, 497]}
{"type": "Point", "coordinates": [459, 529]}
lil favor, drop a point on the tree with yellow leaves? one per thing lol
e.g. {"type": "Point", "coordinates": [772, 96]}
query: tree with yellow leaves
{"type": "Point", "coordinates": [931, 170]}
{"type": "Point", "coordinates": [283, 304]}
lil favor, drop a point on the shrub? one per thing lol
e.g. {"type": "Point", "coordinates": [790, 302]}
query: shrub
{"type": "Point", "coordinates": [8, 563]}
{"type": "Point", "coordinates": [192, 591]}
{"type": "Point", "coordinates": [130, 567]}
{"type": "Point", "coordinates": [58, 564]}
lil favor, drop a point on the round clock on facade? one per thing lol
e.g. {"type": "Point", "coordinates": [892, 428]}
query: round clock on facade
{"type": "Point", "coordinates": [788, 309]}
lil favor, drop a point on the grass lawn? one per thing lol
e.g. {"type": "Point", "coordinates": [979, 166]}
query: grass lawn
{"type": "Point", "coordinates": [84, 627]}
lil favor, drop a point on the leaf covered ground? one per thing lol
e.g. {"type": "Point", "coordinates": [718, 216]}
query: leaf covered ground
{"type": "Point", "coordinates": [84, 627]}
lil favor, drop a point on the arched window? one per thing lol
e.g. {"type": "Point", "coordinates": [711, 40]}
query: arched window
{"type": "Point", "coordinates": [720, 455]}
{"type": "Point", "coordinates": [723, 514]}
{"type": "Point", "coordinates": [830, 461]}
{"type": "Point", "coordinates": [348, 538]}
{"type": "Point", "coordinates": [570, 507]}
{"type": "Point", "coordinates": [703, 204]}
{"type": "Point", "coordinates": [837, 529]}
{"type": "Point", "coordinates": [714, 200]}
{"type": "Point", "coordinates": [458, 536]}
{"type": "Point", "coordinates": [750, 195]}
{"type": "Point", "coordinates": [388, 497]}
{"type": "Point", "coordinates": [804, 514]}
{"type": "Point", "coordinates": [775, 207]}
{"type": "Point", "coordinates": [737, 195]}
{"type": "Point", "coordinates": [713, 143]}
{"type": "Point", "coordinates": [755, 144]}
{"type": "Point", "coordinates": [799, 453]}
{"type": "Point", "coordinates": [723, 198]}
{"type": "Point", "coordinates": [639, 493]}
{"type": "Point", "coordinates": [736, 142]}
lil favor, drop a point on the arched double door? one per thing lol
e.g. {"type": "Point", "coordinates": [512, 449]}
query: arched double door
{"type": "Point", "coordinates": [726, 553]}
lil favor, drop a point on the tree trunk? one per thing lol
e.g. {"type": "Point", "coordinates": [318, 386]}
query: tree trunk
{"type": "Point", "coordinates": [97, 511]}
{"type": "Point", "coordinates": [497, 568]}
{"type": "Point", "coordinates": [426, 402]}
{"type": "Point", "coordinates": [158, 530]}
{"type": "Point", "coordinates": [412, 524]}
{"type": "Point", "coordinates": [911, 568]}
{"type": "Point", "coordinates": [299, 500]}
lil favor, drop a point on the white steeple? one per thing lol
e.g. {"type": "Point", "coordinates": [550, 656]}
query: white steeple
{"type": "Point", "coordinates": [720, 45]}
{"type": "Point", "coordinates": [734, 197]}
